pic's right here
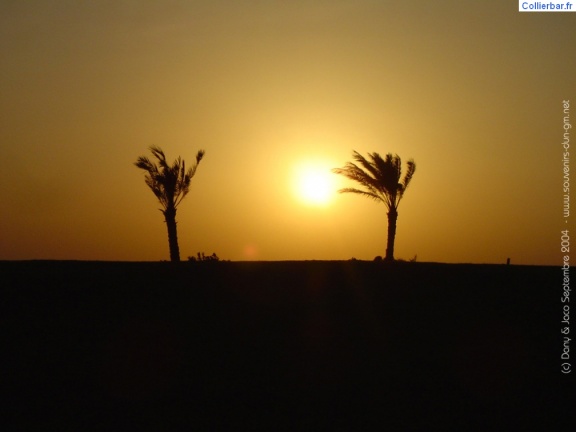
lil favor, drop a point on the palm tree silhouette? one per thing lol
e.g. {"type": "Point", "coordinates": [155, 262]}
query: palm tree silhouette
{"type": "Point", "coordinates": [170, 184]}
{"type": "Point", "coordinates": [381, 181]}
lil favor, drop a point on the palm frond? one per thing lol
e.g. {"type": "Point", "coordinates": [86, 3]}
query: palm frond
{"type": "Point", "coordinates": [144, 163]}
{"type": "Point", "coordinates": [159, 154]}
{"type": "Point", "coordinates": [368, 166]}
{"type": "Point", "coordinates": [169, 183]}
{"type": "Point", "coordinates": [410, 170]}
{"type": "Point", "coordinates": [353, 172]}
{"type": "Point", "coordinates": [199, 156]}
{"type": "Point", "coordinates": [389, 169]}
{"type": "Point", "coordinates": [361, 192]}
{"type": "Point", "coordinates": [379, 176]}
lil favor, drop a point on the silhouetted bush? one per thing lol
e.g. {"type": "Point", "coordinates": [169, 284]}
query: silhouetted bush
{"type": "Point", "coordinates": [201, 257]}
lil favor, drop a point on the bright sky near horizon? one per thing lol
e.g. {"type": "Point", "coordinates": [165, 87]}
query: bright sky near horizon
{"type": "Point", "coordinates": [275, 92]}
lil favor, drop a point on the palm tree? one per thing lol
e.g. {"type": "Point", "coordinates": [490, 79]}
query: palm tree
{"type": "Point", "coordinates": [170, 184]}
{"type": "Point", "coordinates": [380, 179]}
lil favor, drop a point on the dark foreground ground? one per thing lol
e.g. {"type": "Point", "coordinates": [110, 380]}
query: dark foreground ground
{"type": "Point", "coordinates": [281, 346]}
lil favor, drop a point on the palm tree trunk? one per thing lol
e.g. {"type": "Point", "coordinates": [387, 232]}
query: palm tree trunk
{"type": "Point", "coordinates": [170, 217]}
{"type": "Point", "coordinates": [392, 217]}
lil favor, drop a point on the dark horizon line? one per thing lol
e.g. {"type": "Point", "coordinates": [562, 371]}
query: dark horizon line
{"type": "Point", "coordinates": [383, 263]}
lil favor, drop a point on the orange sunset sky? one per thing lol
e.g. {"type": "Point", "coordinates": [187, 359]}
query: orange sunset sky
{"type": "Point", "coordinates": [271, 89]}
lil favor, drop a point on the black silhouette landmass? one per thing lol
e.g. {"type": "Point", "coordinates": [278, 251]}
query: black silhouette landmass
{"type": "Point", "coordinates": [280, 346]}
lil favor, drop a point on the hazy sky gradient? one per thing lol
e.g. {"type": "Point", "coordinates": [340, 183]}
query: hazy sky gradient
{"type": "Point", "coordinates": [471, 90]}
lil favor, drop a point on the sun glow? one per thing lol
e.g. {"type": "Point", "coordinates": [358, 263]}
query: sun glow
{"type": "Point", "coordinates": [314, 183]}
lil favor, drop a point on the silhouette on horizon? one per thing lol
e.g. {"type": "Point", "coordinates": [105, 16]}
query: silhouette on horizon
{"type": "Point", "coordinates": [170, 184]}
{"type": "Point", "coordinates": [381, 181]}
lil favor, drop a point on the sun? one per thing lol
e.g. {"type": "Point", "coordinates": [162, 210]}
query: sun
{"type": "Point", "coordinates": [314, 183]}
